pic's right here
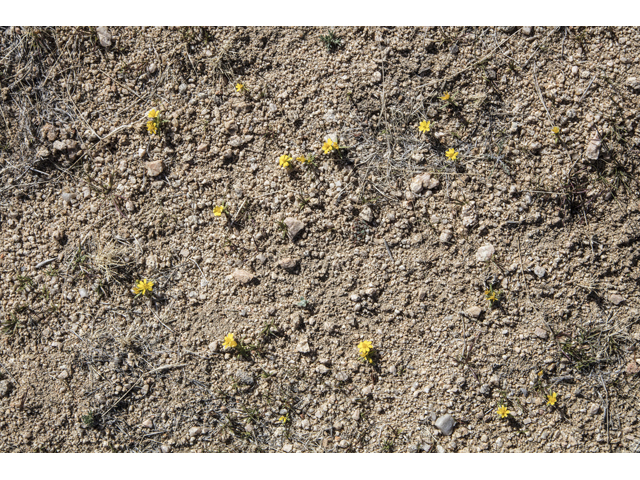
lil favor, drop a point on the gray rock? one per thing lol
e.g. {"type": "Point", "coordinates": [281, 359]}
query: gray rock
{"type": "Point", "coordinates": [148, 423]}
{"type": "Point", "coordinates": [446, 236]}
{"type": "Point", "coordinates": [182, 88]}
{"type": "Point", "coordinates": [527, 31]}
{"type": "Point", "coordinates": [440, 449]}
{"type": "Point", "coordinates": [341, 376]}
{"type": "Point", "coordinates": [195, 431]}
{"type": "Point", "coordinates": [83, 292]}
{"type": "Point", "coordinates": [593, 147]}
{"type": "Point", "coordinates": [245, 378]}
{"type": "Point", "coordinates": [59, 146]}
{"type": "Point", "coordinates": [366, 215]}
{"type": "Point", "coordinates": [469, 216]}
{"type": "Point", "coordinates": [104, 36]}
{"type": "Point", "coordinates": [321, 369]}
{"type": "Point", "coordinates": [633, 82]}
{"type": "Point", "coordinates": [541, 333]}
{"type": "Point", "coordinates": [535, 147]}
{"type": "Point", "coordinates": [242, 276]}
{"type": "Point", "coordinates": [165, 449]}
{"type": "Point", "coordinates": [594, 409]}
{"type": "Point", "coordinates": [5, 388]}
{"type": "Point", "coordinates": [376, 77]}
{"type": "Point", "coordinates": [287, 263]}
{"type": "Point", "coordinates": [474, 312]}
{"type": "Point", "coordinates": [616, 299]}
{"type": "Point", "coordinates": [539, 271]}
{"type": "Point", "coordinates": [445, 424]}
{"type": "Point", "coordinates": [303, 346]}
{"type": "Point", "coordinates": [485, 253]}
{"type": "Point", "coordinates": [154, 168]}
{"type": "Point", "coordinates": [294, 227]}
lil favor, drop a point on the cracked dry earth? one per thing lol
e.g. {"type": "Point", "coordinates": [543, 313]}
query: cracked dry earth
{"type": "Point", "coordinates": [386, 239]}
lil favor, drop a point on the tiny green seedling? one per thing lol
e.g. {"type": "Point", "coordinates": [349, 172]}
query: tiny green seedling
{"type": "Point", "coordinates": [331, 41]}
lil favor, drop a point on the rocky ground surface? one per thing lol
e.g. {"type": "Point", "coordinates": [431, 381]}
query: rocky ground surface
{"type": "Point", "coordinates": [496, 278]}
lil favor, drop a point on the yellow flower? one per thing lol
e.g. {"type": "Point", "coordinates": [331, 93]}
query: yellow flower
{"type": "Point", "coordinates": [491, 296]}
{"type": "Point", "coordinates": [425, 126]}
{"type": "Point", "coordinates": [152, 127]}
{"type": "Point", "coordinates": [303, 159]}
{"type": "Point", "coordinates": [143, 286]}
{"type": "Point", "coordinates": [229, 342]}
{"type": "Point", "coordinates": [503, 412]}
{"type": "Point", "coordinates": [445, 97]}
{"type": "Point", "coordinates": [283, 419]}
{"type": "Point", "coordinates": [451, 154]}
{"type": "Point", "coordinates": [365, 349]}
{"type": "Point", "coordinates": [552, 399]}
{"type": "Point", "coordinates": [329, 145]}
{"type": "Point", "coordinates": [540, 373]}
{"type": "Point", "coordinates": [285, 161]}
{"type": "Point", "coordinates": [555, 130]}
{"type": "Point", "coordinates": [240, 87]}
{"type": "Point", "coordinates": [153, 113]}
{"type": "Point", "coordinates": [217, 211]}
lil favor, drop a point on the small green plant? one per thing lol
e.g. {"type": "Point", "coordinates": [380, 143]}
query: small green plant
{"type": "Point", "coordinates": [493, 296]}
{"type": "Point", "coordinates": [284, 230]}
{"type": "Point", "coordinates": [89, 419]}
{"type": "Point", "coordinates": [303, 303]}
{"type": "Point", "coordinates": [367, 352]}
{"type": "Point", "coordinates": [24, 281]}
{"type": "Point", "coordinates": [11, 325]}
{"type": "Point", "coordinates": [331, 41]}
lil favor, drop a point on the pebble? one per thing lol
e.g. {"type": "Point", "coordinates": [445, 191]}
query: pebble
{"type": "Point", "coordinates": [148, 423]}
{"type": "Point", "coordinates": [288, 263]}
{"type": "Point", "coordinates": [593, 147]}
{"type": "Point", "coordinates": [616, 299]}
{"type": "Point", "coordinates": [474, 312]}
{"type": "Point", "coordinates": [144, 390]}
{"type": "Point", "coordinates": [294, 227]}
{"type": "Point", "coordinates": [440, 449]}
{"type": "Point", "coordinates": [535, 147]}
{"type": "Point", "coordinates": [287, 447]}
{"type": "Point", "coordinates": [469, 216]}
{"type": "Point", "coordinates": [355, 297]}
{"type": "Point", "coordinates": [195, 431]}
{"type": "Point", "coordinates": [539, 271]}
{"type": "Point", "coordinates": [242, 276]}
{"type": "Point", "coordinates": [574, 70]}
{"type": "Point", "coordinates": [485, 253]}
{"type": "Point", "coordinates": [541, 333]}
{"type": "Point", "coordinates": [104, 36]}
{"type": "Point", "coordinates": [633, 82]}
{"type": "Point", "coordinates": [594, 409]}
{"type": "Point", "coordinates": [527, 31]}
{"type": "Point", "coordinates": [262, 258]}
{"type": "Point", "coordinates": [245, 378]}
{"type": "Point", "coordinates": [632, 368]}
{"type": "Point", "coordinates": [182, 88]}
{"type": "Point", "coordinates": [321, 369]}
{"type": "Point", "coordinates": [446, 236]}
{"type": "Point", "coordinates": [376, 77]}
{"type": "Point", "coordinates": [165, 449]}
{"type": "Point", "coordinates": [152, 68]}
{"type": "Point", "coordinates": [303, 346]}
{"type": "Point", "coordinates": [367, 390]}
{"type": "Point", "coordinates": [83, 292]}
{"type": "Point", "coordinates": [154, 168]}
{"type": "Point", "coordinates": [366, 215]}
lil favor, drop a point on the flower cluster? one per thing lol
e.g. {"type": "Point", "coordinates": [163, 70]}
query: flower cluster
{"type": "Point", "coordinates": [366, 350]}
{"type": "Point", "coordinates": [143, 287]}
{"type": "Point", "coordinates": [330, 146]}
{"type": "Point", "coordinates": [229, 342]}
{"type": "Point", "coordinates": [154, 121]}
{"type": "Point", "coordinates": [285, 161]}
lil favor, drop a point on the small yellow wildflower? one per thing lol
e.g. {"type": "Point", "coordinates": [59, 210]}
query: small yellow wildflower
{"type": "Point", "coordinates": [285, 161]}
{"type": "Point", "coordinates": [218, 210]}
{"type": "Point", "coordinates": [229, 342]}
{"type": "Point", "coordinates": [451, 154]}
{"type": "Point", "coordinates": [143, 286]}
{"type": "Point", "coordinates": [425, 126]}
{"type": "Point", "coordinates": [283, 419]}
{"type": "Point", "coordinates": [503, 411]}
{"type": "Point", "coordinates": [540, 373]}
{"type": "Point", "coordinates": [446, 96]}
{"type": "Point", "coordinates": [365, 347]}
{"type": "Point", "coordinates": [303, 159]}
{"type": "Point", "coordinates": [240, 87]}
{"type": "Point", "coordinates": [329, 145]}
{"type": "Point", "coordinates": [153, 113]}
{"type": "Point", "coordinates": [555, 130]}
{"type": "Point", "coordinates": [152, 127]}
{"type": "Point", "coordinates": [491, 296]}
{"type": "Point", "coordinates": [552, 399]}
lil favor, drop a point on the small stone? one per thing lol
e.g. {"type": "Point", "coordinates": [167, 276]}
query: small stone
{"type": "Point", "coordinates": [182, 88]}
{"type": "Point", "coordinates": [5, 388]}
{"type": "Point", "coordinates": [354, 298]}
{"type": "Point", "coordinates": [367, 390]}
{"type": "Point", "coordinates": [262, 258]}
{"type": "Point", "coordinates": [632, 368]}
{"type": "Point", "coordinates": [203, 147]}
{"type": "Point", "coordinates": [104, 36]}
{"type": "Point", "coordinates": [321, 369]}
{"type": "Point", "coordinates": [541, 333]}
{"type": "Point", "coordinates": [366, 215]}
{"type": "Point", "coordinates": [83, 293]}
{"type": "Point", "coordinates": [445, 424]}
{"type": "Point", "coordinates": [469, 216]}
{"type": "Point", "coordinates": [145, 389]}
{"type": "Point", "coordinates": [165, 449]}
{"type": "Point", "coordinates": [303, 346]}
{"type": "Point", "coordinates": [446, 236]}
{"type": "Point", "coordinates": [287, 447]}
{"type": "Point", "coordinates": [574, 70]}
{"type": "Point", "coordinates": [342, 376]}
{"type": "Point", "coordinates": [594, 409]}
{"type": "Point", "coordinates": [148, 423]}
{"type": "Point", "coordinates": [535, 147]}
{"type": "Point", "coordinates": [245, 378]}
{"type": "Point", "coordinates": [527, 31]}
{"type": "Point", "coordinates": [539, 271]}
{"type": "Point", "coordinates": [376, 77]}
{"type": "Point", "coordinates": [616, 299]}
{"type": "Point", "coordinates": [154, 168]}
{"type": "Point", "coordinates": [242, 276]}
{"type": "Point", "coordinates": [355, 415]}
{"type": "Point", "coordinates": [287, 263]}
{"type": "Point", "coordinates": [633, 82]}
{"type": "Point", "coordinates": [474, 312]}
{"type": "Point", "coordinates": [294, 227]}
{"type": "Point", "coordinates": [64, 375]}
{"type": "Point", "coordinates": [593, 148]}
{"type": "Point", "coordinates": [485, 253]}
{"type": "Point", "coordinates": [343, 444]}
{"type": "Point", "coordinates": [195, 431]}
{"type": "Point", "coordinates": [152, 68]}
{"type": "Point", "coordinates": [213, 346]}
